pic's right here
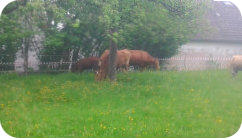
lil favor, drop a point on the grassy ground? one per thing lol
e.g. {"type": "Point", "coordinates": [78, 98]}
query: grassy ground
{"type": "Point", "coordinates": [148, 104]}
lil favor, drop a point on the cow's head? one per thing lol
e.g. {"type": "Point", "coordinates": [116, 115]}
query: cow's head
{"type": "Point", "coordinates": [97, 76]}
{"type": "Point", "coordinates": [102, 72]}
{"type": "Point", "coordinates": [98, 72]}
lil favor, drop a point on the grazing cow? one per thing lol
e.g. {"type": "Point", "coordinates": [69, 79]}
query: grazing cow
{"type": "Point", "coordinates": [86, 64]}
{"type": "Point", "coordinates": [122, 62]}
{"type": "Point", "coordinates": [236, 64]}
{"type": "Point", "coordinates": [143, 59]}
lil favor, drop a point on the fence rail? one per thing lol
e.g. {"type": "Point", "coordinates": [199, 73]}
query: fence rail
{"type": "Point", "coordinates": [174, 63]}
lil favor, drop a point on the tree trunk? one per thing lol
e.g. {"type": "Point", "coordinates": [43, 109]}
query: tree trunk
{"type": "Point", "coordinates": [112, 59]}
{"type": "Point", "coordinates": [26, 43]}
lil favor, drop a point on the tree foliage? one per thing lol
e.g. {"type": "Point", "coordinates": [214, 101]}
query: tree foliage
{"type": "Point", "coordinates": [85, 27]}
{"type": "Point", "coordinates": [9, 41]}
{"type": "Point", "coordinates": [156, 26]}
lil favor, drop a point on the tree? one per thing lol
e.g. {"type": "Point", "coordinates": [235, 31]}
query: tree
{"type": "Point", "coordinates": [88, 27]}
{"type": "Point", "coordinates": [153, 25]}
{"type": "Point", "coordinates": [160, 29]}
{"type": "Point", "coordinates": [80, 31]}
{"type": "Point", "coordinates": [20, 13]}
{"type": "Point", "coordinates": [117, 14]}
{"type": "Point", "coordinates": [9, 41]}
{"type": "Point", "coordinates": [28, 17]}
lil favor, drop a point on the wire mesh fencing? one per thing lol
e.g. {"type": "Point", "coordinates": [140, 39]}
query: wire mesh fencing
{"type": "Point", "coordinates": [40, 63]}
{"type": "Point", "coordinates": [63, 64]}
{"type": "Point", "coordinates": [186, 63]}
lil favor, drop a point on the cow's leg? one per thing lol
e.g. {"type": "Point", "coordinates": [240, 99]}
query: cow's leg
{"type": "Point", "coordinates": [234, 72]}
{"type": "Point", "coordinates": [96, 76]}
{"type": "Point", "coordinates": [105, 75]}
{"type": "Point", "coordinates": [122, 69]}
{"type": "Point", "coordinates": [100, 75]}
{"type": "Point", "coordinates": [127, 64]}
{"type": "Point", "coordinates": [126, 67]}
{"type": "Point", "coordinates": [142, 68]}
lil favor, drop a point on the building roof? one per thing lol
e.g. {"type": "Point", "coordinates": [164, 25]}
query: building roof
{"type": "Point", "coordinates": [226, 22]}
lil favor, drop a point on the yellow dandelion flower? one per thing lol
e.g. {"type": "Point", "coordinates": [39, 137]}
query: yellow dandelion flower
{"type": "Point", "coordinates": [219, 120]}
{"type": "Point", "coordinates": [192, 90]}
{"type": "Point", "coordinates": [28, 93]}
{"type": "Point", "coordinates": [191, 110]}
{"type": "Point", "coordinates": [36, 126]}
{"type": "Point", "coordinates": [130, 118]}
{"type": "Point", "coordinates": [28, 133]}
{"type": "Point", "coordinates": [133, 111]}
{"type": "Point", "coordinates": [2, 105]}
{"type": "Point", "coordinates": [10, 122]}
{"type": "Point", "coordinates": [206, 100]}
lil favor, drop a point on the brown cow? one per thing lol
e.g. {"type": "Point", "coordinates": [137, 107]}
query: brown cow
{"type": "Point", "coordinates": [86, 64]}
{"type": "Point", "coordinates": [143, 59]}
{"type": "Point", "coordinates": [122, 61]}
{"type": "Point", "coordinates": [236, 64]}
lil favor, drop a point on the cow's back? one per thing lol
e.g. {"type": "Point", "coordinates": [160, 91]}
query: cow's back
{"type": "Point", "coordinates": [88, 63]}
{"type": "Point", "coordinates": [140, 57]}
{"type": "Point", "coordinates": [123, 57]}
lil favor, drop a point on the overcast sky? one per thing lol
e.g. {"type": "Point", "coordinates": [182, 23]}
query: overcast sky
{"type": "Point", "coordinates": [238, 3]}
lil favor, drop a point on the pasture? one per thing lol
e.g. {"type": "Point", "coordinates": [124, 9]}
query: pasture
{"type": "Point", "coordinates": [139, 104]}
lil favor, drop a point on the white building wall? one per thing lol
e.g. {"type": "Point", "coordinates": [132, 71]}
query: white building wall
{"type": "Point", "coordinates": [203, 56]}
{"type": "Point", "coordinates": [33, 60]}
{"type": "Point", "coordinates": [211, 49]}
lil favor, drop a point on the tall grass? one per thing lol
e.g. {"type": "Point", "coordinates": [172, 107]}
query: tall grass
{"type": "Point", "coordinates": [139, 104]}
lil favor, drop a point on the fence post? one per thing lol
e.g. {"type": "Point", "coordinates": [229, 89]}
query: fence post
{"type": "Point", "coordinates": [71, 56]}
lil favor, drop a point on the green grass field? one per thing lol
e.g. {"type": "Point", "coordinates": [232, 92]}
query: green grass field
{"type": "Point", "coordinates": [147, 104]}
